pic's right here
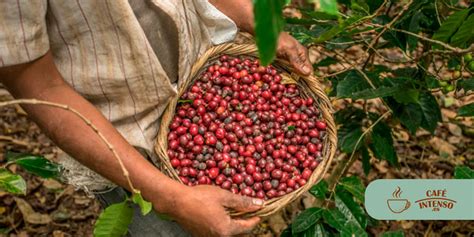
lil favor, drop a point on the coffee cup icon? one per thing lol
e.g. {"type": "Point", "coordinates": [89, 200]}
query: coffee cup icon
{"type": "Point", "coordinates": [397, 204]}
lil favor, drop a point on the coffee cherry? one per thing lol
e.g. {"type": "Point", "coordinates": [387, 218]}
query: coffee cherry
{"type": "Point", "coordinates": [235, 132]}
{"type": "Point", "coordinates": [237, 179]}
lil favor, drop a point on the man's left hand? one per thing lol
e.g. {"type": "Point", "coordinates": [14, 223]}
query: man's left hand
{"type": "Point", "coordinates": [290, 49]}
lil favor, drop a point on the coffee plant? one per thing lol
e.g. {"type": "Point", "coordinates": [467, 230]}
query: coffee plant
{"type": "Point", "coordinates": [433, 38]}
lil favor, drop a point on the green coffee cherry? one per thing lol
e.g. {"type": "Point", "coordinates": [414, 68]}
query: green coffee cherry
{"type": "Point", "coordinates": [470, 66]}
{"type": "Point", "coordinates": [449, 88]}
{"type": "Point", "coordinates": [442, 83]}
{"type": "Point", "coordinates": [456, 74]}
{"type": "Point", "coordinates": [467, 57]}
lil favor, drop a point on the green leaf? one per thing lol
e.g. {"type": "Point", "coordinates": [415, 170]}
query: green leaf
{"type": "Point", "coordinates": [184, 101]}
{"type": "Point", "coordinates": [310, 232]}
{"type": "Point", "coordinates": [353, 230]}
{"type": "Point", "coordinates": [465, 34]}
{"type": "Point", "coordinates": [335, 219]}
{"type": "Point", "coordinates": [12, 183]}
{"type": "Point", "coordinates": [375, 93]}
{"type": "Point", "coordinates": [407, 96]}
{"type": "Point", "coordinates": [466, 84]}
{"type": "Point", "coordinates": [411, 116]}
{"type": "Point", "coordinates": [374, 5]}
{"type": "Point", "coordinates": [463, 172]}
{"type": "Point", "coordinates": [325, 62]}
{"type": "Point", "coordinates": [306, 219]}
{"type": "Point", "coordinates": [466, 110]}
{"type": "Point", "coordinates": [414, 27]}
{"type": "Point", "coordinates": [291, 128]}
{"type": "Point", "coordinates": [37, 165]}
{"type": "Point", "coordinates": [354, 86]}
{"type": "Point", "coordinates": [145, 206]}
{"type": "Point", "coordinates": [431, 83]}
{"type": "Point", "coordinates": [320, 189]}
{"type": "Point", "coordinates": [450, 26]}
{"type": "Point", "coordinates": [350, 209]}
{"type": "Point", "coordinates": [382, 143]}
{"type": "Point", "coordinates": [114, 220]}
{"type": "Point", "coordinates": [268, 25]}
{"type": "Point", "coordinates": [397, 233]}
{"type": "Point", "coordinates": [354, 185]}
{"type": "Point", "coordinates": [348, 135]}
{"type": "Point", "coordinates": [320, 231]}
{"type": "Point", "coordinates": [431, 112]}
{"type": "Point", "coordinates": [350, 84]}
{"type": "Point", "coordinates": [351, 115]}
{"type": "Point", "coordinates": [365, 160]}
{"type": "Point", "coordinates": [360, 7]}
{"type": "Point", "coordinates": [286, 232]}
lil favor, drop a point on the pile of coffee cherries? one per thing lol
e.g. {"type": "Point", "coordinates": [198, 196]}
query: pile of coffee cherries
{"type": "Point", "coordinates": [240, 128]}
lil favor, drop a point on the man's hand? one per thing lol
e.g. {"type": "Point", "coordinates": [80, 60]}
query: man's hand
{"type": "Point", "coordinates": [202, 210]}
{"type": "Point", "coordinates": [290, 49]}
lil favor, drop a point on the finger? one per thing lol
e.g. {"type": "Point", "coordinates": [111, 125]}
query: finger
{"type": "Point", "coordinates": [307, 66]}
{"type": "Point", "coordinates": [242, 226]}
{"type": "Point", "coordinates": [301, 61]}
{"type": "Point", "coordinates": [297, 61]}
{"type": "Point", "coordinates": [242, 203]}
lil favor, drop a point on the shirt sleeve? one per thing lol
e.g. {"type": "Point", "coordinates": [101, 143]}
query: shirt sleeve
{"type": "Point", "coordinates": [23, 32]}
{"type": "Point", "coordinates": [220, 27]}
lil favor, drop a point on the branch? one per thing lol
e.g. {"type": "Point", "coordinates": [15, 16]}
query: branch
{"type": "Point", "coordinates": [14, 141]}
{"type": "Point", "coordinates": [83, 118]}
{"type": "Point", "coordinates": [445, 45]}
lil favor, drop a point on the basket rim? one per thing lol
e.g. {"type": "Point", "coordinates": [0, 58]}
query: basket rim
{"type": "Point", "coordinates": [307, 82]}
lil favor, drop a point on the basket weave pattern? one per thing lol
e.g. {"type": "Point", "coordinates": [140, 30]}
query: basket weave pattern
{"type": "Point", "coordinates": [310, 86]}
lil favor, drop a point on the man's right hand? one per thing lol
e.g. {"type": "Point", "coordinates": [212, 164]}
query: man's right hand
{"type": "Point", "coordinates": [202, 210]}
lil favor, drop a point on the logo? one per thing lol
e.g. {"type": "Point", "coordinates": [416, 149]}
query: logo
{"type": "Point", "coordinates": [436, 200]}
{"type": "Point", "coordinates": [420, 199]}
{"type": "Point", "coordinates": [397, 204]}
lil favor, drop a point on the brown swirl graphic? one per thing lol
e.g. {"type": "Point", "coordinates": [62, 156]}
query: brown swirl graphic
{"type": "Point", "coordinates": [397, 193]}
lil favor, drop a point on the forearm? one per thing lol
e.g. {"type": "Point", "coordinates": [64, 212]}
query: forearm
{"type": "Point", "coordinates": [240, 11]}
{"type": "Point", "coordinates": [42, 81]}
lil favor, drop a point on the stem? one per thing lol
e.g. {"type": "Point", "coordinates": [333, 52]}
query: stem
{"type": "Point", "coordinates": [87, 121]}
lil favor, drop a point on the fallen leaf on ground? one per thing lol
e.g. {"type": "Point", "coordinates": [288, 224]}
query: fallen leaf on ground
{"type": "Point", "coordinates": [448, 114]}
{"type": "Point", "coordinates": [52, 184]}
{"type": "Point", "coordinates": [29, 215]}
{"type": "Point", "coordinates": [277, 223]}
{"type": "Point", "coordinates": [407, 224]}
{"type": "Point", "coordinates": [454, 140]}
{"type": "Point", "coordinates": [454, 129]}
{"type": "Point", "coordinates": [58, 233]}
{"type": "Point", "coordinates": [402, 135]}
{"type": "Point", "coordinates": [442, 146]}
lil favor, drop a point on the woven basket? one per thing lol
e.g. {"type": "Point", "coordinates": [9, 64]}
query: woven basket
{"type": "Point", "coordinates": [309, 86]}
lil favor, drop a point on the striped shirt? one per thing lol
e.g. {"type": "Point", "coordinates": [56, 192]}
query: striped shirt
{"type": "Point", "coordinates": [125, 57]}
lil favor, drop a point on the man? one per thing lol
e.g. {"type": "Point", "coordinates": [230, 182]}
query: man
{"type": "Point", "coordinates": [116, 63]}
